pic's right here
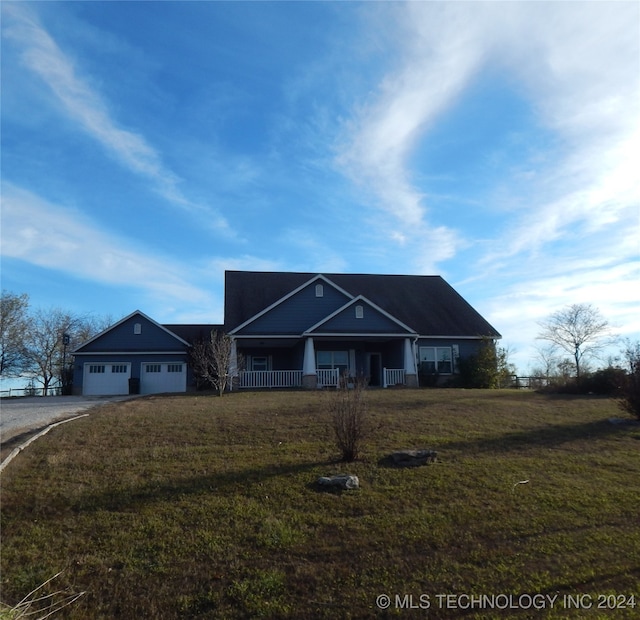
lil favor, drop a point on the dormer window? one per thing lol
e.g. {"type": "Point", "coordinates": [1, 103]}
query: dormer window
{"type": "Point", "coordinates": [319, 290]}
{"type": "Point", "coordinates": [137, 328]}
{"type": "Point", "coordinates": [359, 312]}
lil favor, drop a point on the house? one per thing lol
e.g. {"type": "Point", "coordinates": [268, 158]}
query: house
{"type": "Point", "coordinates": [136, 355]}
{"type": "Point", "coordinates": [305, 329]}
{"type": "Point", "coordinates": [297, 330]}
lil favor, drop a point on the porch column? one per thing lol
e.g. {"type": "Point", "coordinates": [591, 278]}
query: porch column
{"type": "Point", "coordinates": [309, 378]}
{"type": "Point", "coordinates": [233, 364]}
{"type": "Point", "coordinates": [410, 372]}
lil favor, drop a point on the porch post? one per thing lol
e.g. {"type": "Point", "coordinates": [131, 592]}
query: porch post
{"type": "Point", "coordinates": [233, 364]}
{"type": "Point", "coordinates": [410, 372]}
{"type": "Point", "coordinates": [309, 378]}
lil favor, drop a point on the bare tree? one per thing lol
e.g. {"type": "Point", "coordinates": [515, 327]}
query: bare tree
{"type": "Point", "coordinates": [53, 334]}
{"type": "Point", "coordinates": [348, 412]}
{"type": "Point", "coordinates": [14, 324]}
{"type": "Point", "coordinates": [578, 329]}
{"type": "Point", "coordinates": [211, 360]}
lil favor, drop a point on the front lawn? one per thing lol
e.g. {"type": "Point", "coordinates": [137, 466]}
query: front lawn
{"type": "Point", "coordinates": [196, 506]}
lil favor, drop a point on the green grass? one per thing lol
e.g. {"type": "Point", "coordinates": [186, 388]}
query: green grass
{"type": "Point", "coordinates": [205, 507]}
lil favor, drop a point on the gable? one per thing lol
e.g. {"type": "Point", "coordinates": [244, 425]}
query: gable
{"type": "Point", "coordinates": [134, 333]}
{"type": "Point", "coordinates": [359, 316]}
{"type": "Point", "coordinates": [295, 312]}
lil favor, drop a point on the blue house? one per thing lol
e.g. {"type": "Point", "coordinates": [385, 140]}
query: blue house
{"type": "Point", "coordinates": [297, 330]}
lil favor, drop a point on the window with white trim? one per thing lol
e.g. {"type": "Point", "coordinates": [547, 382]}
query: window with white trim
{"type": "Point", "coordinates": [96, 368]}
{"type": "Point", "coordinates": [436, 359]}
{"type": "Point", "coordinates": [118, 368]}
{"type": "Point", "coordinates": [329, 360]}
{"type": "Point", "coordinates": [259, 363]}
{"type": "Point", "coordinates": [174, 367]}
{"type": "Point", "coordinates": [153, 368]}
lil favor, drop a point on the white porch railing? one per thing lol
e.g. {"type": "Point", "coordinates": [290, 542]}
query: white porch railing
{"type": "Point", "coordinates": [328, 378]}
{"type": "Point", "coordinates": [393, 376]}
{"type": "Point", "coordinates": [270, 378]}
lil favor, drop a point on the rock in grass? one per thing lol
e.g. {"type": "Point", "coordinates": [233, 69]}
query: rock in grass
{"type": "Point", "coordinates": [413, 458]}
{"type": "Point", "coordinates": [342, 482]}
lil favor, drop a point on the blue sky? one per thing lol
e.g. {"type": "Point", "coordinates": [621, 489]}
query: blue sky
{"type": "Point", "coordinates": [149, 146]}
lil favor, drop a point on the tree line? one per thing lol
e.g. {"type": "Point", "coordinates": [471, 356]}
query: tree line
{"type": "Point", "coordinates": [36, 343]}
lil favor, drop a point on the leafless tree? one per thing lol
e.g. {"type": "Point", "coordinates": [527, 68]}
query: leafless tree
{"type": "Point", "coordinates": [578, 329]}
{"type": "Point", "coordinates": [348, 410]}
{"type": "Point", "coordinates": [14, 324]}
{"type": "Point", "coordinates": [211, 360]}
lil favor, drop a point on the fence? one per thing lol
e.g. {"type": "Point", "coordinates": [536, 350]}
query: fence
{"type": "Point", "coordinates": [270, 378]}
{"type": "Point", "coordinates": [393, 376]}
{"type": "Point", "coordinates": [30, 391]}
{"type": "Point", "coordinates": [328, 378]}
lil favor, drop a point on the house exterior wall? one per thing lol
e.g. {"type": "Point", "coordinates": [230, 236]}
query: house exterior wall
{"type": "Point", "coordinates": [372, 321]}
{"type": "Point", "coordinates": [298, 313]}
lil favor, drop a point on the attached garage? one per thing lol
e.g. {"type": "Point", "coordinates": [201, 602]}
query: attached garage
{"type": "Point", "coordinates": [106, 378]}
{"type": "Point", "coordinates": [158, 377]}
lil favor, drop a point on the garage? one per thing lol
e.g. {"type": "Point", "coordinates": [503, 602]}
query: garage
{"type": "Point", "coordinates": [156, 377]}
{"type": "Point", "coordinates": [106, 378]}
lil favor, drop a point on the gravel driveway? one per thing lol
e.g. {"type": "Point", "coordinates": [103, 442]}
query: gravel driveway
{"type": "Point", "coordinates": [18, 415]}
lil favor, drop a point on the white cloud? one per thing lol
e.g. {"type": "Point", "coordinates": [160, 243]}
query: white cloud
{"type": "Point", "coordinates": [50, 236]}
{"type": "Point", "coordinates": [41, 54]}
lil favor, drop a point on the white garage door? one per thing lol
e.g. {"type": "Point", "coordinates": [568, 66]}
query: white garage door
{"type": "Point", "coordinates": [156, 378]}
{"type": "Point", "coordinates": [102, 379]}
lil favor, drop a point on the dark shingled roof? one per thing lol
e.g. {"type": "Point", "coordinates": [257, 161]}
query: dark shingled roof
{"type": "Point", "coordinates": [427, 304]}
{"type": "Point", "coordinates": [193, 332]}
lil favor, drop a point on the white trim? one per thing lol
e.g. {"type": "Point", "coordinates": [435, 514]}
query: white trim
{"type": "Point", "coordinates": [459, 337]}
{"type": "Point", "coordinates": [126, 318]}
{"type": "Point", "coordinates": [289, 296]}
{"type": "Point", "coordinates": [361, 298]}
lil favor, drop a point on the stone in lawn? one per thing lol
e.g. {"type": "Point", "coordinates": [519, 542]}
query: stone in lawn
{"type": "Point", "coordinates": [342, 482]}
{"type": "Point", "coordinates": [413, 458]}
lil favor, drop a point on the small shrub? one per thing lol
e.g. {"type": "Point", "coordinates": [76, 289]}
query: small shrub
{"type": "Point", "coordinates": [347, 408]}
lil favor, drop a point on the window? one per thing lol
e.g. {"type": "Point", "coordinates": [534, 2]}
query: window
{"type": "Point", "coordinates": [327, 360]}
{"type": "Point", "coordinates": [119, 368]}
{"type": "Point", "coordinates": [319, 290]}
{"type": "Point", "coordinates": [436, 359]}
{"type": "Point", "coordinates": [153, 368]}
{"type": "Point", "coordinates": [137, 328]}
{"type": "Point", "coordinates": [359, 311]}
{"type": "Point", "coordinates": [174, 367]}
{"type": "Point", "coordinates": [96, 368]}
{"type": "Point", "coordinates": [260, 363]}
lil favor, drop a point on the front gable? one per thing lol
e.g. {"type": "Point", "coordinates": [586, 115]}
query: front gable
{"type": "Point", "coordinates": [135, 333]}
{"type": "Point", "coordinates": [360, 316]}
{"type": "Point", "coordinates": [297, 311]}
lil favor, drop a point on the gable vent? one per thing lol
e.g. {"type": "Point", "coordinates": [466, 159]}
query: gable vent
{"type": "Point", "coordinates": [137, 328]}
{"type": "Point", "coordinates": [359, 311]}
{"type": "Point", "coordinates": [319, 290]}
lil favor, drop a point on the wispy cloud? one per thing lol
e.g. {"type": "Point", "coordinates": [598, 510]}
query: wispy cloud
{"type": "Point", "coordinates": [577, 63]}
{"type": "Point", "coordinates": [60, 239]}
{"type": "Point", "coordinates": [82, 103]}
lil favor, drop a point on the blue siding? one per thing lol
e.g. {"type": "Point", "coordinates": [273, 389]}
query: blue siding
{"type": "Point", "coordinates": [372, 322]}
{"type": "Point", "coordinates": [123, 338]}
{"type": "Point", "coordinates": [298, 313]}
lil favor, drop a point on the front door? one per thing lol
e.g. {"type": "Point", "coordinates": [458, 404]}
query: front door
{"type": "Point", "coordinates": [374, 369]}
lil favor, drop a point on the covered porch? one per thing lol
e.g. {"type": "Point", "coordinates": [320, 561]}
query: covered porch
{"type": "Point", "coordinates": [316, 363]}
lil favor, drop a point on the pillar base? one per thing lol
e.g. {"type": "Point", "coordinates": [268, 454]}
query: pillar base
{"type": "Point", "coordinates": [309, 382]}
{"type": "Point", "coordinates": [411, 381]}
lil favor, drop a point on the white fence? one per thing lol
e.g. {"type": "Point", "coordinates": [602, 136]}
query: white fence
{"type": "Point", "coordinates": [393, 376]}
{"type": "Point", "coordinates": [270, 378]}
{"type": "Point", "coordinates": [328, 378]}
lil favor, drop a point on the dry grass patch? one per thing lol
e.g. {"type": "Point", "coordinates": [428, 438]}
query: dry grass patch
{"type": "Point", "coordinates": [197, 506]}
